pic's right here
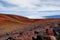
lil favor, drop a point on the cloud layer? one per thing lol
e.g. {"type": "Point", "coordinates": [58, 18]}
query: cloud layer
{"type": "Point", "coordinates": [30, 8]}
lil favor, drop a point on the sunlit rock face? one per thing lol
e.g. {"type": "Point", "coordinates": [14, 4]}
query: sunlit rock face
{"type": "Point", "coordinates": [10, 25]}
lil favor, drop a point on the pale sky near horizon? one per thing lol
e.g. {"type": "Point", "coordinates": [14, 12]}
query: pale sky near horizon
{"type": "Point", "coordinates": [30, 8]}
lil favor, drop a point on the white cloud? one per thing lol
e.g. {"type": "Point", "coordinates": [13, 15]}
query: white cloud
{"type": "Point", "coordinates": [32, 7]}
{"type": "Point", "coordinates": [23, 3]}
{"type": "Point", "coordinates": [2, 8]}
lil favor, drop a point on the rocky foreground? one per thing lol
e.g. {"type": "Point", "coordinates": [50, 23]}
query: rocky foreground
{"type": "Point", "coordinates": [14, 26]}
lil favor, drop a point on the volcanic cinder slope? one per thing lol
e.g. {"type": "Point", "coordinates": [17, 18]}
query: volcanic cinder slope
{"type": "Point", "coordinates": [9, 23]}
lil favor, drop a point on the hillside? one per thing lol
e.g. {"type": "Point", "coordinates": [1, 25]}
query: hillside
{"type": "Point", "coordinates": [10, 23]}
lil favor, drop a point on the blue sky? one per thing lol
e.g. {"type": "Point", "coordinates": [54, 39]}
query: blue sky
{"type": "Point", "coordinates": [30, 8]}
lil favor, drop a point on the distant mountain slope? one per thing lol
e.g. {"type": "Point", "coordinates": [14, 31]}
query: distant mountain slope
{"type": "Point", "coordinates": [54, 16]}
